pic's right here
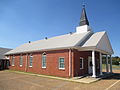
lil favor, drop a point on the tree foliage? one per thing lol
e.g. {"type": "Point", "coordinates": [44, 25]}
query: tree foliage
{"type": "Point", "coordinates": [115, 60]}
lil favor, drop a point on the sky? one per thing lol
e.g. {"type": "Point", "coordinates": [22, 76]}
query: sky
{"type": "Point", "coordinates": [30, 20]}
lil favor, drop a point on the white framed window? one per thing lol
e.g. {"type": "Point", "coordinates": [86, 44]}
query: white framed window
{"type": "Point", "coordinates": [21, 61]}
{"type": "Point", "coordinates": [81, 63]}
{"type": "Point", "coordinates": [61, 63]}
{"type": "Point", "coordinates": [44, 60]}
{"type": "Point", "coordinates": [31, 61]}
{"type": "Point", "coordinates": [13, 60]}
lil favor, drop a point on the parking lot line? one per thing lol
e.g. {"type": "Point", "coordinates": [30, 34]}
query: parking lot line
{"type": "Point", "coordinates": [112, 85]}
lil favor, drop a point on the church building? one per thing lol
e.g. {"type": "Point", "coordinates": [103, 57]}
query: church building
{"type": "Point", "coordinates": [70, 55]}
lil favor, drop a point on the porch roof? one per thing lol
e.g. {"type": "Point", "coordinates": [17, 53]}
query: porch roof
{"type": "Point", "coordinates": [100, 42]}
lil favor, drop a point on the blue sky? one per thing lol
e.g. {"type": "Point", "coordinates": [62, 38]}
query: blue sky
{"type": "Point", "coordinates": [29, 20]}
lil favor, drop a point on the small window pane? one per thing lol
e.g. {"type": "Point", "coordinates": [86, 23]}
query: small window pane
{"type": "Point", "coordinates": [31, 60]}
{"type": "Point", "coordinates": [81, 63]}
{"type": "Point", "coordinates": [13, 58]}
{"type": "Point", "coordinates": [21, 60]}
{"type": "Point", "coordinates": [44, 61]}
{"type": "Point", "coordinates": [61, 63]}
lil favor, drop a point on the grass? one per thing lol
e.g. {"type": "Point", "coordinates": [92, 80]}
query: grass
{"type": "Point", "coordinates": [116, 66]}
{"type": "Point", "coordinates": [113, 66]}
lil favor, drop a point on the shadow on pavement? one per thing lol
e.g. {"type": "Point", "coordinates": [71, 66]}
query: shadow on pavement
{"type": "Point", "coordinates": [115, 76]}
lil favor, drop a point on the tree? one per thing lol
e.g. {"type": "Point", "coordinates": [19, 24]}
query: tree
{"type": "Point", "coordinates": [115, 60]}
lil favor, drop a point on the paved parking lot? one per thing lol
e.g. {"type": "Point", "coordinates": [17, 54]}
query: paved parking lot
{"type": "Point", "coordinates": [17, 81]}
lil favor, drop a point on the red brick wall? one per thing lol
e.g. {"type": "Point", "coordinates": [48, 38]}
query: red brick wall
{"type": "Point", "coordinates": [52, 63]}
{"type": "Point", "coordinates": [17, 63]}
{"type": "Point", "coordinates": [77, 70]}
{"type": "Point", "coordinates": [84, 55]}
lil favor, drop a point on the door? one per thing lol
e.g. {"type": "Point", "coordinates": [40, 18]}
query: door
{"type": "Point", "coordinates": [89, 65]}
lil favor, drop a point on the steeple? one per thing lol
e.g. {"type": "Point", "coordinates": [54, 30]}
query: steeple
{"type": "Point", "coordinates": [83, 19]}
{"type": "Point", "coordinates": [84, 23]}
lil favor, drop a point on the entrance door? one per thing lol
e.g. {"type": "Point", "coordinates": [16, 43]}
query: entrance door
{"type": "Point", "coordinates": [90, 65]}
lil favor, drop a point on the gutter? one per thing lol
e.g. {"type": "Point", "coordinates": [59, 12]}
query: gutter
{"type": "Point", "coordinates": [39, 50]}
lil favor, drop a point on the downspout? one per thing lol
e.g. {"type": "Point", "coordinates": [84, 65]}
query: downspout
{"type": "Point", "coordinates": [26, 63]}
{"type": "Point", "coordinates": [70, 62]}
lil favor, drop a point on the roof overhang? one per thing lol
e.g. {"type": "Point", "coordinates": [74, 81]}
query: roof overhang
{"type": "Point", "coordinates": [42, 50]}
{"type": "Point", "coordinates": [71, 47]}
{"type": "Point", "coordinates": [93, 48]}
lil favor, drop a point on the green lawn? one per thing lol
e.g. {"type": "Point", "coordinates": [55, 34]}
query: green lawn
{"type": "Point", "coordinates": [113, 66]}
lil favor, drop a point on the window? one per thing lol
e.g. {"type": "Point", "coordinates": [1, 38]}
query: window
{"type": "Point", "coordinates": [43, 60]}
{"type": "Point", "coordinates": [61, 63]}
{"type": "Point", "coordinates": [21, 60]}
{"type": "Point", "coordinates": [81, 63]}
{"type": "Point", "coordinates": [13, 58]}
{"type": "Point", "coordinates": [31, 61]}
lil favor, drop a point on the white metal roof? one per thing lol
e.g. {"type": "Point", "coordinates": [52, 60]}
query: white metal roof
{"type": "Point", "coordinates": [94, 39]}
{"type": "Point", "coordinates": [63, 41]}
{"type": "Point", "coordinates": [98, 40]}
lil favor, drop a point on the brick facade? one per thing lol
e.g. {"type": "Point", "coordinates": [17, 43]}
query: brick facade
{"type": "Point", "coordinates": [52, 63]}
{"type": "Point", "coordinates": [84, 55]}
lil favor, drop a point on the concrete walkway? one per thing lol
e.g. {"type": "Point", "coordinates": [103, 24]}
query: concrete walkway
{"type": "Point", "coordinates": [87, 80]}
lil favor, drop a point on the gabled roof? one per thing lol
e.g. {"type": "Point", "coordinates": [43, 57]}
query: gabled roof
{"type": "Point", "coordinates": [58, 42]}
{"type": "Point", "coordinates": [99, 41]}
{"type": "Point", "coordinates": [3, 51]}
{"type": "Point", "coordinates": [85, 40]}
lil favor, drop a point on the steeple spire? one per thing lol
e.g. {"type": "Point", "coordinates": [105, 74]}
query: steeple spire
{"type": "Point", "coordinates": [83, 19]}
{"type": "Point", "coordinates": [84, 23]}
